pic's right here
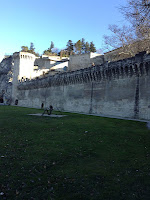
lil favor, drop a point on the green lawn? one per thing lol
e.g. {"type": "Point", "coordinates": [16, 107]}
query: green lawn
{"type": "Point", "coordinates": [74, 157]}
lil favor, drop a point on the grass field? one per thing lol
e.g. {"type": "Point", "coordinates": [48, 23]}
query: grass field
{"type": "Point", "coordinates": [74, 157]}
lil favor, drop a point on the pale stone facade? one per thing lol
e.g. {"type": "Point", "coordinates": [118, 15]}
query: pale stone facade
{"type": "Point", "coordinates": [6, 75]}
{"type": "Point", "coordinates": [25, 66]}
{"type": "Point", "coordinates": [82, 61]}
{"type": "Point", "coordinates": [25, 63]}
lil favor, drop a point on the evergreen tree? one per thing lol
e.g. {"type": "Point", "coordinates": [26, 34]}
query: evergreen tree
{"type": "Point", "coordinates": [37, 54]}
{"type": "Point", "coordinates": [78, 46]}
{"type": "Point", "coordinates": [92, 47]}
{"type": "Point", "coordinates": [51, 46]}
{"type": "Point", "coordinates": [45, 52]}
{"type": "Point", "coordinates": [51, 51]}
{"type": "Point", "coordinates": [31, 50]}
{"type": "Point", "coordinates": [63, 53]}
{"type": "Point", "coordinates": [70, 47]}
{"type": "Point", "coordinates": [83, 45]}
{"type": "Point", "coordinates": [87, 47]}
{"type": "Point", "coordinates": [24, 49]}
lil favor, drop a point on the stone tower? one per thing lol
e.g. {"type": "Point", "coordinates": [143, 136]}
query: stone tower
{"type": "Point", "coordinates": [23, 68]}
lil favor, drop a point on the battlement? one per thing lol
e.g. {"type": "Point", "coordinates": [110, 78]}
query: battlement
{"type": "Point", "coordinates": [135, 66]}
{"type": "Point", "coordinates": [24, 55]}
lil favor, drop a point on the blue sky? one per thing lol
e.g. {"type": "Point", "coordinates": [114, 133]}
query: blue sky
{"type": "Point", "coordinates": [43, 21]}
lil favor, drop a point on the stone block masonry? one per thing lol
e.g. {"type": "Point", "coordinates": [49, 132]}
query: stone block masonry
{"type": "Point", "coordinates": [6, 74]}
{"type": "Point", "coordinates": [118, 88]}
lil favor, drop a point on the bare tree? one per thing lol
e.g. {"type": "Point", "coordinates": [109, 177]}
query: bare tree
{"type": "Point", "coordinates": [134, 38]}
{"type": "Point", "coordinates": [138, 13]}
{"type": "Point", "coordinates": [120, 38]}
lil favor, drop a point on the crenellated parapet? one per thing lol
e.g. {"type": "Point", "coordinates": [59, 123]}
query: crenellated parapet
{"type": "Point", "coordinates": [135, 66]}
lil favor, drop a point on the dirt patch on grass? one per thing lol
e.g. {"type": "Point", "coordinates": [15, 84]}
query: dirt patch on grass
{"type": "Point", "coordinates": [46, 115]}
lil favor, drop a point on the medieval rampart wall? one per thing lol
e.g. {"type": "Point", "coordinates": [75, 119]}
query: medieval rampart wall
{"type": "Point", "coordinates": [119, 89]}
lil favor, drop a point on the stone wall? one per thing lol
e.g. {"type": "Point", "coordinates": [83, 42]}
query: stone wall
{"type": "Point", "coordinates": [82, 61]}
{"type": "Point", "coordinates": [86, 60]}
{"type": "Point", "coordinates": [44, 63]}
{"type": "Point", "coordinates": [6, 74]}
{"type": "Point", "coordinates": [117, 89]}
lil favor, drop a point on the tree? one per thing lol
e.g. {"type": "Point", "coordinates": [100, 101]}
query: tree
{"type": "Point", "coordinates": [31, 50]}
{"type": "Point", "coordinates": [24, 49]}
{"type": "Point", "coordinates": [99, 51]}
{"type": "Point", "coordinates": [83, 45]}
{"type": "Point", "coordinates": [55, 51]}
{"type": "Point", "coordinates": [52, 51]}
{"type": "Point", "coordinates": [121, 37]}
{"type": "Point", "coordinates": [134, 38]}
{"type": "Point", "coordinates": [63, 53]}
{"type": "Point", "coordinates": [92, 47]}
{"type": "Point", "coordinates": [37, 54]}
{"type": "Point", "coordinates": [78, 46]}
{"type": "Point", "coordinates": [51, 46]}
{"type": "Point", "coordinates": [70, 47]}
{"type": "Point", "coordinates": [45, 52]}
{"type": "Point", "coordinates": [138, 13]}
{"type": "Point", "coordinates": [87, 47]}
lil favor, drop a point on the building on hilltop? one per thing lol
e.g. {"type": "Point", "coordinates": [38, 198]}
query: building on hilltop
{"type": "Point", "coordinates": [86, 60]}
{"type": "Point", "coordinates": [25, 66]}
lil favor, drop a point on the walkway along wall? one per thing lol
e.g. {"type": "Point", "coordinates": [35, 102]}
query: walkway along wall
{"type": "Point", "coordinates": [118, 89]}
